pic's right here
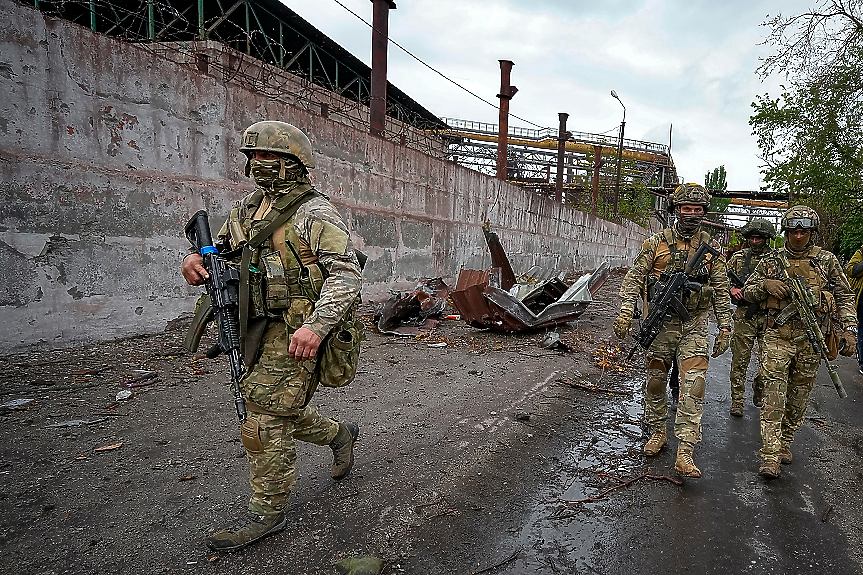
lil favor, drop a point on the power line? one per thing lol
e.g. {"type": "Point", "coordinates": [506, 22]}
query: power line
{"type": "Point", "coordinates": [406, 51]}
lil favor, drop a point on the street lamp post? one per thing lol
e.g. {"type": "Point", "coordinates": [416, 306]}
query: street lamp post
{"type": "Point", "coordinates": [619, 153]}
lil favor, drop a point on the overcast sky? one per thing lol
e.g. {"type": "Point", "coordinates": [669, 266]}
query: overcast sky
{"type": "Point", "coordinates": [687, 63]}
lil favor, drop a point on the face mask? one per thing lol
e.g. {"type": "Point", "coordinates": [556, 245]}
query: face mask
{"type": "Point", "coordinates": [687, 224]}
{"type": "Point", "coordinates": [265, 172]}
{"type": "Point", "coordinates": [799, 244]}
{"type": "Point", "coordinates": [757, 244]}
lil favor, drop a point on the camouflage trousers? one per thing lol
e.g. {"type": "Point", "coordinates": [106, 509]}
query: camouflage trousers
{"type": "Point", "coordinates": [687, 343]}
{"type": "Point", "coordinates": [788, 370]}
{"type": "Point", "coordinates": [277, 391]}
{"type": "Point", "coordinates": [272, 463]}
{"type": "Point", "coordinates": [742, 342]}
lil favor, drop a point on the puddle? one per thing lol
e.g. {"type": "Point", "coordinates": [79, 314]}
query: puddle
{"type": "Point", "coordinates": [568, 537]}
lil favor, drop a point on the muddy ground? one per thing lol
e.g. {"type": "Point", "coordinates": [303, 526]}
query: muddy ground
{"type": "Point", "coordinates": [465, 455]}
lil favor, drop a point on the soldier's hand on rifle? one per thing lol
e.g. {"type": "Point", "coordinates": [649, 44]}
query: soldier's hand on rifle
{"type": "Point", "coordinates": [304, 344]}
{"type": "Point", "coordinates": [193, 270]}
{"type": "Point", "coordinates": [848, 343]}
{"type": "Point", "coordinates": [777, 288]}
{"type": "Point", "coordinates": [736, 293]}
{"type": "Point", "coordinates": [623, 323]}
{"type": "Point", "coordinates": [722, 342]}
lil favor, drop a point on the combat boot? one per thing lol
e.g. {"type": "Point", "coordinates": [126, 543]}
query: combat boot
{"type": "Point", "coordinates": [684, 465]}
{"type": "Point", "coordinates": [785, 455]}
{"type": "Point", "coordinates": [757, 397]}
{"type": "Point", "coordinates": [769, 469]}
{"type": "Point", "coordinates": [656, 442]}
{"type": "Point", "coordinates": [250, 529]}
{"type": "Point", "coordinates": [737, 408]}
{"type": "Point", "coordinates": [343, 450]}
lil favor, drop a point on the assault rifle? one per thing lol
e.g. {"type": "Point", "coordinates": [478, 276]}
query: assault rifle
{"type": "Point", "coordinates": [667, 299]}
{"type": "Point", "coordinates": [223, 289]}
{"type": "Point", "coordinates": [737, 281]}
{"type": "Point", "coordinates": [802, 304]}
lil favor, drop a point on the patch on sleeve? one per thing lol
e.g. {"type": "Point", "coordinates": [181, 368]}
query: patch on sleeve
{"type": "Point", "coordinates": [328, 237]}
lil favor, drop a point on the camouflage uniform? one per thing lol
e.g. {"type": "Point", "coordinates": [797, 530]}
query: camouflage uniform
{"type": "Point", "coordinates": [685, 341]}
{"type": "Point", "coordinates": [788, 363]}
{"type": "Point", "coordinates": [277, 388]}
{"type": "Point", "coordinates": [747, 327]}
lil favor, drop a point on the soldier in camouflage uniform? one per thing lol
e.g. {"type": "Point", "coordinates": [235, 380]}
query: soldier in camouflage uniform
{"type": "Point", "coordinates": [747, 316]}
{"type": "Point", "coordinates": [304, 279]}
{"type": "Point", "coordinates": [684, 341]}
{"type": "Point", "coordinates": [788, 362]}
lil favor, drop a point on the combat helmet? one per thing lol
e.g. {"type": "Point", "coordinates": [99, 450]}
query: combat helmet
{"type": "Point", "coordinates": [691, 194]}
{"type": "Point", "coordinates": [279, 138]}
{"type": "Point", "coordinates": [800, 218]}
{"type": "Point", "coordinates": [759, 227]}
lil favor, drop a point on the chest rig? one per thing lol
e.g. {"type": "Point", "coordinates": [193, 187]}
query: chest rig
{"type": "Point", "coordinates": [674, 261]}
{"type": "Point", "coordinates": [817, 277]}
{"type": "Point", "coordinates": [279, 279]}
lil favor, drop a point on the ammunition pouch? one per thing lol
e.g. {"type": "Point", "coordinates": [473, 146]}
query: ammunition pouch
{"type": "Point", "coordinates": [340, 352]}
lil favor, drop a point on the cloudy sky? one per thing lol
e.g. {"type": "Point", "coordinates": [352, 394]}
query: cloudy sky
{"type": "Point", "coordinates": [689, 63]}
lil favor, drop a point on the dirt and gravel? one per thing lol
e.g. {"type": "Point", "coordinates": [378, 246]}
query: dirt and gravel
{"type": "Point", "coordinates": [472, 459]}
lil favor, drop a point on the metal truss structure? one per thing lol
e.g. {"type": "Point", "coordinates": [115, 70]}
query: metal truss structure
{"type": "Point", "coordinates": [263, 29]}
{"type": "Point", "coordinates": [532, 154]}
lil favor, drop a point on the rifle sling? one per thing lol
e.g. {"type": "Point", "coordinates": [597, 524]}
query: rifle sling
{"type": "Point", "coordinates": [251, 338]}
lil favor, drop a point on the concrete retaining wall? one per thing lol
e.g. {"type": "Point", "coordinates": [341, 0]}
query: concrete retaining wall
{"type": "Point", "coordinates": [106, 148]}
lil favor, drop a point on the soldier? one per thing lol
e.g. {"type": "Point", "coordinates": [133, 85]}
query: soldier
{"type": "Point", "coordinates": [304, 280]}
{"type": "Point", "coordinates": [788, 362]}
{"type": "Point", "coordinates": [747, 316]}
{"type": "Point", "coordinates": [854, 272]}
{"type": "Point", "coordinates": [685, 342]}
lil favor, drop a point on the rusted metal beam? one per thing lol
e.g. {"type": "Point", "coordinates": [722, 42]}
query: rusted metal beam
{"type": "Point", "coordinates": [380, 32]}
{"type": "Point", "coordinates": [507, 91]}
{"type": "Point", "coordinates": [562, 137]}
{"type": "Point", "coordinates": [597, 164]}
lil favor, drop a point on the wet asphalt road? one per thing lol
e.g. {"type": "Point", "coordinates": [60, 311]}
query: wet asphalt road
{"type": "Point", "coordinates": [731, 520]}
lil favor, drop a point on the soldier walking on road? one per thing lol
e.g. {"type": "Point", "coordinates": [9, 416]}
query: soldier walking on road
{"type": "Point", "coordinates": [685, 342]}
{"type": "Point", "coordinates": [854, 272]}
{"type": "Point", "coordinates": [302, 282]}
{"type": "Point", "coordinates": [748, 317]}
{"type": "Point", "coordinates": [789, 363]}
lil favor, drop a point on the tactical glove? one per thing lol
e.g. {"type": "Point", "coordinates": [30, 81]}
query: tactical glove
{"type": "Point", "coordinates": [623, 323]}
{"type": "Point", "coordinates": [848, 344]}
{"type": "Point", "coordinates": [777, 288]}
{"type": "Point", "coordinates": [721, 343]}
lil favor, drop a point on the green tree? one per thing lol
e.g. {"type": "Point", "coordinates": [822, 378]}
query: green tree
{"type": "Point", "coordinates": [811, 136]}
{"type": "Point", "coordinates": [716, 180]}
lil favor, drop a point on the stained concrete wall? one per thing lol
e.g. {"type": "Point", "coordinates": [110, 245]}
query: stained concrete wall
{"type": "Point", "coordinates": [106, 148]}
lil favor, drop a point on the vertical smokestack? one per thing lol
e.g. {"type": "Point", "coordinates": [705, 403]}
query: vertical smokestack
{"type": "Point", "coordinates": [380, 32]}
{"type": "Point", "coordinates": [597, 164]}
{"type": "Point", "coordinates": [562, 137]}
{"type": "Point", "coordinates": [506, 94]}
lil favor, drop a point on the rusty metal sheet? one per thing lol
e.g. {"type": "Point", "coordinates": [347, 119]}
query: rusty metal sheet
{"type": "Point", "coordinates": [498, 257]}
{"type": "Point", "coordinates": [487, 306]}
{"type": "Point", "coordinates": [413, 313]}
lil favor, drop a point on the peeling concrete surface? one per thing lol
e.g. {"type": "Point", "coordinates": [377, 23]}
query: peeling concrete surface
{"type": "Point", "coordinates": [106, 149]}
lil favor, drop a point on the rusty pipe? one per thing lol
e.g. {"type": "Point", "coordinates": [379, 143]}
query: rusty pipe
{"type": "Point", "coordinates": [507, 91]}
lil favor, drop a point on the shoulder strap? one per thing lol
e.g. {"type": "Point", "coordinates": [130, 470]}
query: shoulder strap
{"type": "Point", "coordinates": [668, 236]}
{"type": "Point", "coordinates": [747, 262]}
{"type": "Point", "coordinates": [248, 250]}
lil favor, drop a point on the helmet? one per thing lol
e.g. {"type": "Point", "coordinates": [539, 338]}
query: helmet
{"type": "Point", "coordinates": [758, 227]}
{"type": "Point", "coordinates": [279, 138]}
{"type": "Point", "coordinates": [693, 194]}
{"type": "Point", "coordinates": [800, 218]}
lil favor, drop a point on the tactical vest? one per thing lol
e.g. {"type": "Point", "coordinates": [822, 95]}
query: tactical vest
{"type": "Point", "coordinates": [285, 278]}
{"type": "Point", "coordinates": [671, 257]}
{"type": "Point", "coordinates": [810, 268]}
